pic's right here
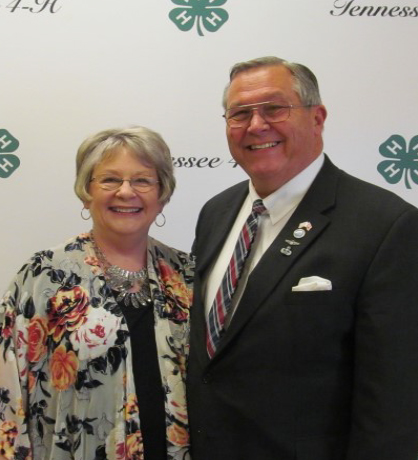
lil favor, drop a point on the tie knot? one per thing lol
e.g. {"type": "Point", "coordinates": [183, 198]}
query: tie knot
{"type": "Point", "coordinates": [258, 207]}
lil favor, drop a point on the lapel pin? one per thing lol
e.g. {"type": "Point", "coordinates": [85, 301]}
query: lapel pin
{"type": "Point", "coordinates": [306, 225]}
{"type": "Point", "coordinates": [286, 251]}
{"type": "Point", "coordinates": [303, 227]}
{"type": "Point", "coordinates": [299, 233]}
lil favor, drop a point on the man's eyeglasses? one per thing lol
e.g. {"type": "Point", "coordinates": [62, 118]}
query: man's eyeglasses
{"type": "Point", "coordinates": [139, 184]}
{"type": "Point", "coordinates": [272, 112]}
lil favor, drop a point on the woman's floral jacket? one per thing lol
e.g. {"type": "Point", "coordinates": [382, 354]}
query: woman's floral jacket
{"type": "Point", "coordinates": [66, 382]}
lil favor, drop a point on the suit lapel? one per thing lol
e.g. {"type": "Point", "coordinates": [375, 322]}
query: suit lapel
{"type": "Point", "coordinates": [212, 240]}
{"type": "Point", "coordinates": [274, 264]}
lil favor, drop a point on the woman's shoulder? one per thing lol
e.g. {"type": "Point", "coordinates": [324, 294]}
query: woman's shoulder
{"type": "Point", "coordinates": [81, 242]}
{"type": "Point", "coordinates": [72, 252]}
{"type": "Point", "coordinates": [160, 250]}
{"type": "Point", "coordinates": [75, 246]}
{"type": "Point", "coordinates": [154, 244]}
{"type": "Point", "coordinates": [63, 265]}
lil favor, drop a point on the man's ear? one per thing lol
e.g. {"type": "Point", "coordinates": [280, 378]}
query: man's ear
{"type": "Point", "coordinates": [320, 116]}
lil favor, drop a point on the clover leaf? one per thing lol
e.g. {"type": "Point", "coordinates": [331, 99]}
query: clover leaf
{"type": "Point", "coordinates": [403, 160]}
{"type": "Point", "coordinates": [203, 13]}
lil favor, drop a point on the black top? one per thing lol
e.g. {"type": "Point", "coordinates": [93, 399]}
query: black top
{"type": "Point", "coordinates": [147, 377]}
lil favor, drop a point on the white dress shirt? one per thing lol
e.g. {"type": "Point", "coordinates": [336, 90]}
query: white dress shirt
{"type": "Point", "coordinates": [280, 206]}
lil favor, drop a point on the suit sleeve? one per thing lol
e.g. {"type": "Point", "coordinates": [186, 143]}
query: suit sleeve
{"type": "Point", "coordinates": [385, 385]}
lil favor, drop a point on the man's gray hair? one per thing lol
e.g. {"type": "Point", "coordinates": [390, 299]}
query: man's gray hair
{"type": "Point", "coordinates": [305, 83]}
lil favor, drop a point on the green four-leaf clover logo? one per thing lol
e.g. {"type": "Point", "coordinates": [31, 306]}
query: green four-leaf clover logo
{"type": "Point", "coordinates": [203, 13]}
{"type": "Point", "coordinates": [8, 163]}
{"type": "Point", "coordinates": [403, 161]}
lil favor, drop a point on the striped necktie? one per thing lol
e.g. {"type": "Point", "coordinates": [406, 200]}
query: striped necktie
{"type": "Point", "coordinates": [223, 298]}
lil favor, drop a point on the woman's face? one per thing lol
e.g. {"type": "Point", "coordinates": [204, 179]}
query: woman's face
{"type": "Point", "coordinates": [124, 213]}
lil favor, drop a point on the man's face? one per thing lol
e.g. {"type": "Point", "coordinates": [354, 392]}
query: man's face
{"type": "Point", "coordinates": [273, 153]}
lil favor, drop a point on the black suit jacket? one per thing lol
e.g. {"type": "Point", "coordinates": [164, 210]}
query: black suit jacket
{"type": "Point", "coordinates": [325, 375]}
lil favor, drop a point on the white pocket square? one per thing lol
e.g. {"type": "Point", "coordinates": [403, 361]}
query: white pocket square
{"type": "Point", "coordinates": [313, 283]}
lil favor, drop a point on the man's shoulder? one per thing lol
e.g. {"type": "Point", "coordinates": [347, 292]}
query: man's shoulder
{"type": "Point", "coordinates": [366, 193]}
{"type": "Point", "coordinates": [362, 193]}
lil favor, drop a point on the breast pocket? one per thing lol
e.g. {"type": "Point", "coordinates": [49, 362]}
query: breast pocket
{"type": "Point", "coordinates": [311, 297]}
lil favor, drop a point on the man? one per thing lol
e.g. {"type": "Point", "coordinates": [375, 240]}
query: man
{"type": "Point", "coordinates": [316, 355]}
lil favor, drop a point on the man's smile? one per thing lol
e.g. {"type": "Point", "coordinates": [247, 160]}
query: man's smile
{"type": "Point", "coordinates": [266, 145]}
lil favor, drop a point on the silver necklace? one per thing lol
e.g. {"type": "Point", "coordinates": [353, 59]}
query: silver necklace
{"type": "Point", "coordinates": [123, 281]}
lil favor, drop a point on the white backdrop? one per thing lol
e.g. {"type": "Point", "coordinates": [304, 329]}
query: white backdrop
{"type": "Point", "coordinates": [79, 66]}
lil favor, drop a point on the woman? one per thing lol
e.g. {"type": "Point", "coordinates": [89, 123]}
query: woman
{"type": "Point", "coordinates": [94, 333]}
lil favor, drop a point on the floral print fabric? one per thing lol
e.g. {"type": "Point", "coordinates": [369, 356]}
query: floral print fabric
{"type": "Point", "coordinates": [66, 382]}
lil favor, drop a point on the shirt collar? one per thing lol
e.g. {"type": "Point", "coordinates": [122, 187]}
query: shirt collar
{"type": "Point", "coordinates": [287, 197]}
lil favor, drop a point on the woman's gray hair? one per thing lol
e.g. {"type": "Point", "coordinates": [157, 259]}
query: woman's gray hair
{"type": "Point", "coordinates": [146, 144]}
{"type": "Point", "coordinates": [305, 83]}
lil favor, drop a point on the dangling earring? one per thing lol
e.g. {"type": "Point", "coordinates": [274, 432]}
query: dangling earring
{"type": "Point", "coordinates": [163, 222]}
{"type": "Point", "coordinates": [83, 216]}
